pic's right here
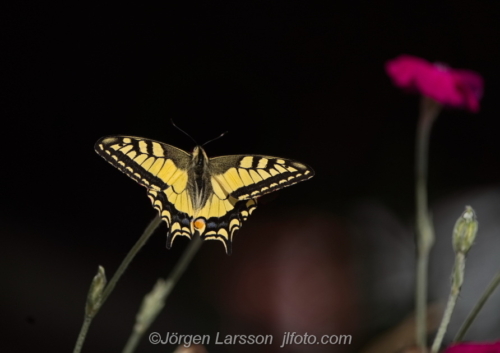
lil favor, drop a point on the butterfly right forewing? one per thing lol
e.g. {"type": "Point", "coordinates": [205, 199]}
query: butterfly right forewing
{"type": "Point", "coordinates": [250, 176]}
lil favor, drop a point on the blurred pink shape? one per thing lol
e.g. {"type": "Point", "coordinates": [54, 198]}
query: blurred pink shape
{"type": "Point", "coordinates": [476, 347]}
{"type": "Point", "coordinates": [293, 274]}
{"type": "Point", "coordinates": [451, 87]}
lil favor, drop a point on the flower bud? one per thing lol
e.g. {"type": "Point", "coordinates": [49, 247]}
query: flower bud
{"type": "Point", "coordinates": [95, 292]}
{"type": "Point", "coordinates": [151, 306]}
{"type": "Point", "coordinates": [465, 231]}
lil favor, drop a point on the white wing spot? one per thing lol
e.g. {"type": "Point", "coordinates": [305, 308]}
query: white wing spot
{"type": "Point", "coordinates": [109, 140]}
{"type": "Point", "coordinates": [299, 165]}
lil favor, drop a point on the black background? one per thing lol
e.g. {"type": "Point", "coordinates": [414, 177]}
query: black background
{"type": "Point", "coordinates": [304, 81]}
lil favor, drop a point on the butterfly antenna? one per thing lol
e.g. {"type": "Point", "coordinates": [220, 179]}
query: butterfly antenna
{"type": "Point", "coordinates": [218, 137]}
{"type": "Point", "coordinates": [184, 132]}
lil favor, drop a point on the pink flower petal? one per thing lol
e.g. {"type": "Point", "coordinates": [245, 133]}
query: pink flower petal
{"type": "Point", "coordinates": [404, 70]}
{"type": "Point", "coordinates": [451, 87]}
{"type": "Point", "coordinates": [476, 347]}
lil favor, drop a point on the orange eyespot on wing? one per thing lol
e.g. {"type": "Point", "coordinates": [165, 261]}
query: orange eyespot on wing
{"type": "Point", "coordinates": [199, 224]}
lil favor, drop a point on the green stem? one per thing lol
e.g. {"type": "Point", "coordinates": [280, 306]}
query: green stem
{"type": "Point", "coordinates": [83, 333]}
{"type": "Point", "coordinates": [458, 275]}
{"type": "Point", "coordinates": [149, 311]}
{"type": "Point", "coordinates": [131, 254]}
{"type": "Point", "coordinates": [429, 110]}
{"type": "Point", "coordinates": [111, 285]}
{"type": "Point", "coordinates": [477, 308]}
{"type": "Point", "coordinates": [421, 298]}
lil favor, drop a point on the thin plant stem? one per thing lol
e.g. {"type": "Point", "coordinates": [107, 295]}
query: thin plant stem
{"type": "Point", "coordinates": [131, 254]}
{"type": "Point", "coordinates": [154, 302]}
{"type": "Point", "coordinates": [111, 284]}
{"type": "Point", "coordinates": [450, 305]}
{"type": "Point", "coordinates": [83, 333]}
{"type": "Point", "coordinates": [477, 308]}
{"type": "Point", "coordinates": [458, 275]}
{"type": "Point", "coordinates": [429, 110]}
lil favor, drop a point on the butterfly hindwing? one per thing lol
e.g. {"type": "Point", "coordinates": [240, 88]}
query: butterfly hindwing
{"type": "Point", "coordinates": [223, 228]}
{"type": "Point", "coordinates": [178, 222]}
{"type": "Point", "coordinates": [250, 176]}
{"type": "Point", "coordinates": [221, 217]}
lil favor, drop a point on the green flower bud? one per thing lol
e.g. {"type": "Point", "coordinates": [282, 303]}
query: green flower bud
{"type": "Point", "coordinates": [465, 231]}
{"type": "Point", "coordinates": [151, 306]}
{"type": "Point", "coordinates": [95, 292]}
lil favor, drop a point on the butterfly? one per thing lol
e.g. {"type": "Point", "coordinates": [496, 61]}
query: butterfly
{"type": "Point", "coordinates": [193, 193]}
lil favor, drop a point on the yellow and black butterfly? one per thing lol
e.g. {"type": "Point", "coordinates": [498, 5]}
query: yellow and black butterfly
{"type": "Point", "coordinates": [193, 193]}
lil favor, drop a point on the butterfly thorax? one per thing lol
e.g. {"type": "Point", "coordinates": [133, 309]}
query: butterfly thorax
{"type": "Point", "coordinates": [200, 187]}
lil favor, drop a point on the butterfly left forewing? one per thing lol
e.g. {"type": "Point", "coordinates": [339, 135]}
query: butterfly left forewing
{"type": "Point", "coordinates": [162, 169]}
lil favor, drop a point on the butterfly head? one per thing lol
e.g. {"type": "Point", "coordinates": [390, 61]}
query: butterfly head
{"type": "Point", "coordinates": [199, 156]}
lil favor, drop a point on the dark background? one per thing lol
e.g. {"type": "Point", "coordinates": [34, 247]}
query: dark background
{"type": "Point", "coordinates": [304, 81]}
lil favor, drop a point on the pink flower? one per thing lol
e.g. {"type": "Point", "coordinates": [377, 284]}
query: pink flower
{"type": "Point", "coordinates": [451, 87]}
{"type": "Point", "coordinates": [493, 347]}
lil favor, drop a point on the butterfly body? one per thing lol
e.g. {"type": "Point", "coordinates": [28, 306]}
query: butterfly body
{"type": "Point", "coordinates": [197, 194]}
